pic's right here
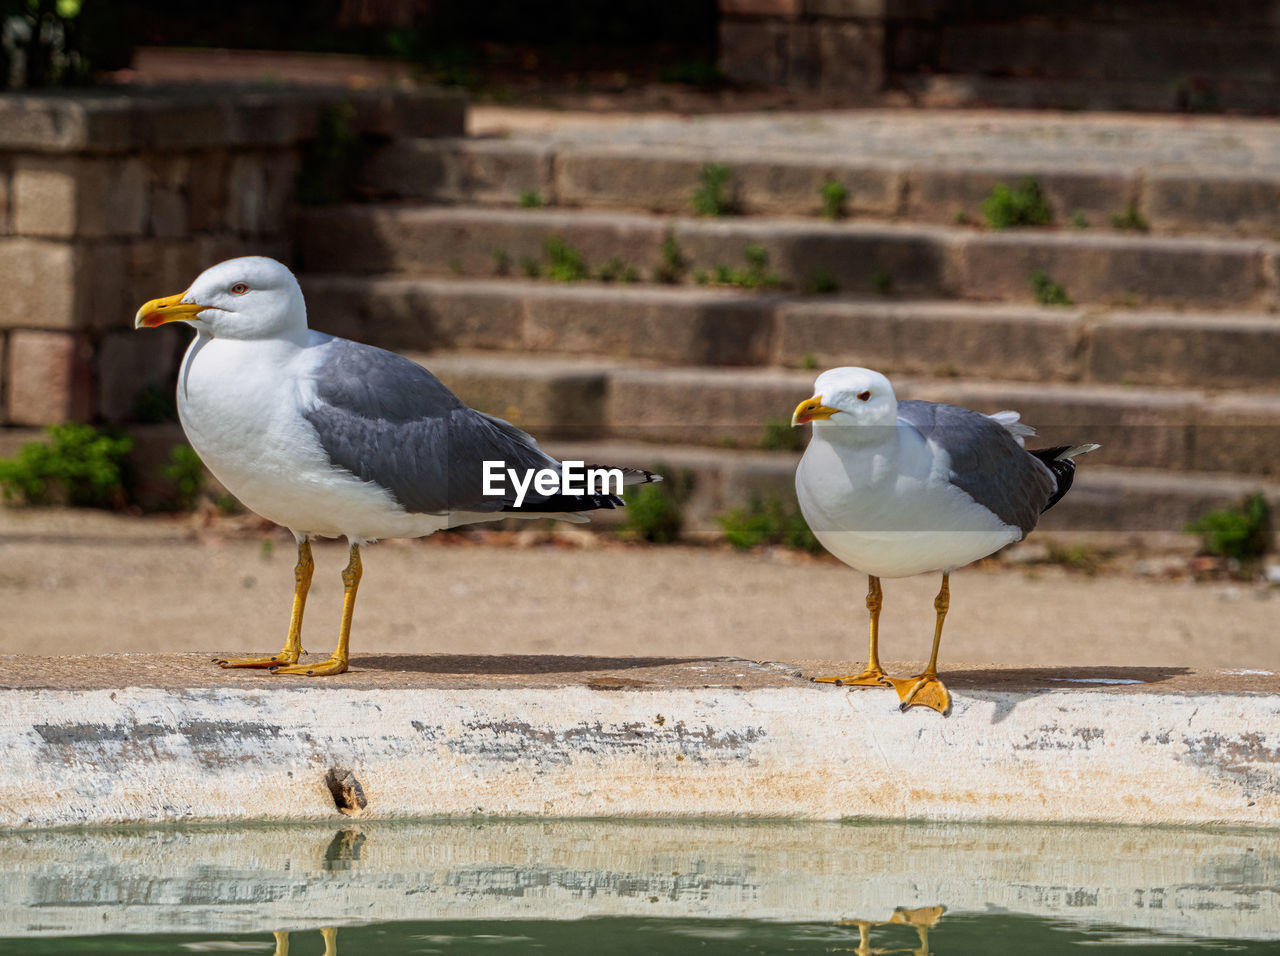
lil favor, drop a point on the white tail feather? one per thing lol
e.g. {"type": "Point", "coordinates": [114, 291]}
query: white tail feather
{"type": "Point", "coordinates": [1013, 424]}
{"type": "Point", "coordinates": [1077, 450]}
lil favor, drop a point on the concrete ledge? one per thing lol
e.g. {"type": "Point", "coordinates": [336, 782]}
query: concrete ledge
{"type": "Point", "coordinates": [134, 738]}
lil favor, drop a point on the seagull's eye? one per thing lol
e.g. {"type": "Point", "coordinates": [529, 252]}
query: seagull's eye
{"type": "Point", "coordinates": [239, 288]}
{"type": "Point", "coordinates": [864, 396]}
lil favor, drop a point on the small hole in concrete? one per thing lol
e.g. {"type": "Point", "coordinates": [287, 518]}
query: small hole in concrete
{"type": "Point", "coordinates": [348, 795]}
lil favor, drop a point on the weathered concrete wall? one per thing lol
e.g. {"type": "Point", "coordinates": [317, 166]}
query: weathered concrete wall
{"type": "Point", "coordinates": [411, 737]}
{"type": "Point", "coordinates": [108, 199]}
{"type": "Point", "coordinates": [1208, 883]}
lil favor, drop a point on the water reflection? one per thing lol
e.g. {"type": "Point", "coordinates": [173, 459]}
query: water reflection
{"type": "Point", "coordinates": [330, 937]}
{"type": "Point", "coordinates": [287, 879]}
{"type": "Point", "coordinates": [921, 920]}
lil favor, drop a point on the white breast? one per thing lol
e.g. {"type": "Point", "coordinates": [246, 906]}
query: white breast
{"type": "Point", "coordinates": [889, 511]}
{"type": "Point", "coordinates": [241, 403]}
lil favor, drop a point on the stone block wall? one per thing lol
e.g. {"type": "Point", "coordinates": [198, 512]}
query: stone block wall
{"type": "Point", "coordinates": [1165, 55]}
{"type": "Point", "coordinates": [831, 46]}
{"type": "Point", "coordinates": [108, 199]}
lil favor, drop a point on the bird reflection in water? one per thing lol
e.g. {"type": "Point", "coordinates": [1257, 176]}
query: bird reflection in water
{"type": "Point", "coordinates": [342, 850]}
{"type": "Point", "coordinates": [921, 920]}
{"type": "Point", "coordinates": [330, 942]}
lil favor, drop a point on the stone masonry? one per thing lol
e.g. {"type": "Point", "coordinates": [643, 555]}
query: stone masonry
{"type": "Point", "coordinates": [108, 199]}
{"type": "Point", "coordinates": [1176, 55]}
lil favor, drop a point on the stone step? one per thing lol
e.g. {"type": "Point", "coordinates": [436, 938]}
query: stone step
{"type": "Point", "coordinates": [932, 168]}
{"type": "Point", "coordinates": [1103, 498]}
{"type": "Point", "coordinates": [698, 326]}
{"type": "Point", "coordinates": [863, 257]}
{"type": "Point", "coordinates": [1176, 430]}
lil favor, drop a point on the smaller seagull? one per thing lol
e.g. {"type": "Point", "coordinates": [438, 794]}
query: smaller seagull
{"type": "Point", "coordinates": [899, 488]}
{"type": "Point", "coordinates": [332, 438]}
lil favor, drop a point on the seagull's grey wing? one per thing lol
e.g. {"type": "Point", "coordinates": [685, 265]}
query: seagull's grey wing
{"type": "Point", "coordinates": [389, 421]}
{"type": "Point", "coordinates": [986, 461]}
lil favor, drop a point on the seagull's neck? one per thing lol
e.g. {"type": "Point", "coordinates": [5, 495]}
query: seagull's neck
{"type": "Point", "coordinates": [295, 337]}
{"type": "Point", "coordinates": [880, 435]}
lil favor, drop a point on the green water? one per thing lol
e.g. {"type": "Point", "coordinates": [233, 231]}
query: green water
{"type": "Point", "coordinates": [587, 887]}
{"type": "Point", "coordinates": [960, 935]}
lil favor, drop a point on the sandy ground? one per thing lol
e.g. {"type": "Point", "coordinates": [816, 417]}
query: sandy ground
{"type": "Point", "coordinates": [72, 583]}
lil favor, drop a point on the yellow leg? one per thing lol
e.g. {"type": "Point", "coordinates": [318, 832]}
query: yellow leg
{"type": "Point", "coordinates": [925, 688]}
{"type": "Point", "coordinates": [921, 920]}
{"type": "Point", "coordinates": [293, 643]}
{"type": "Point", "coordinates": [330, 937]}
{"type": "Point", "coordinates": [864, 935]}
{"type": "Point", "coordinates": [282, 944]}
{"type": "Point", "coordinates": [874, 674]}
{"type": "Point", "coordinates": [338, 662]}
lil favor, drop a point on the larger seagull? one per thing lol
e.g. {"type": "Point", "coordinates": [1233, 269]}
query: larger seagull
{"type": "Point", "coordinates": [899, 488]}
{"type": "Point", "coordinates": [333, 438]}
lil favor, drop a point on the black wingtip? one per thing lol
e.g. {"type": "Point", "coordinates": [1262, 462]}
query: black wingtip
{"type": "Point", "coordinates": [1063, 469]}
{"type": "Point", "coordinates": [630, 476]}
{"type": "Point", "coordinates": [558, 503]}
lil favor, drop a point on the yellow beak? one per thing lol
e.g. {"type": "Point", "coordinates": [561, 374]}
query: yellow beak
{"type": "Point", "coordinates": [810, 410]}
{"type": "Point", "coordinates": [169, 309]}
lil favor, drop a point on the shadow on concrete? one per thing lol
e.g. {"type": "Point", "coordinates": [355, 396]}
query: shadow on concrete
{"type": "Point", "coordinates": [1059, 678]}
{"type": "Point", "coordinates": [515, 663]}
{"type": "Point", "coordinates": [1001, 686]}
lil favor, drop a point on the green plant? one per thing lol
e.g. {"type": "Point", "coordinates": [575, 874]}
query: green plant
{"type": "Point", "coordinates": [186, 472]}
{"type": "Point", "coordinates": [821, 282]}
{"type": "Point", "coordinates": [712, 197]}
{"type": "Point", "coordinates": [674, 265]}
{"type": "Point", "coordinates": [228, 504]}
{"type": "Point", "coordinates": [77, 465]}
{"type": "Point", "coordinates": [960, 218]}
{"type": "Point", "coordinates": [1079, 219]}
{"type": "Point", "coordinates": [780, 436]}
{"type": "Point", "coordinates": [655, 511]}
{"type": "Point", "coordinates": [755, 276]}
{"type": "Point", "coordinates": [501, 261]}
{"type": "Point", "coordinates": [833, 193]}
{"type": "Point", "coordinates": [531, 268]}
{"type": "Point", "coordinates": [59, 42]}
{"type": "Point", "coordinates": [1076, 557]}
{"type": "Point", "coordinates": [1024, 205]}
{"type": "Point", "coordinates": [1129, 218]}
{"type": "Point", "coordinates": [330, 159]}
{"type": "Point", "coordinates": [882, 281]}
{"type": "Point", "coordinates": [530, 199]}
{"type": "Point", "coordinates": [766, 521]}
{"type": "Point", "coordinates": [564, 261]}
{"type": "Point", "coordinates": [1046, 291]}
{"type": "Point", "coordinates": [615, 270]}
{"type": "Point", "coordinates": [1243, 532]}
{"type": "Point", "coordinates": [758, 275]}
{"type": "Point", "coordinates": [808, 361]}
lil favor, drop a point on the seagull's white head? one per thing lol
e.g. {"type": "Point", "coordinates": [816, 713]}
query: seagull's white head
{"type": "Point", "coordinates": [849, 396]}
{"type": "Point", "coordinates": [249, 298]}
